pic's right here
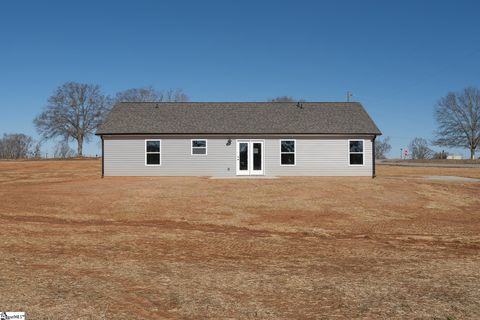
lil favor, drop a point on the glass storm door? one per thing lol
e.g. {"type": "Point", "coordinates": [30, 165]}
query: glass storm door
{"type": "Point", "coordinates": [256, 152]}
{"type": "Point", "coordinates": [249, 157]}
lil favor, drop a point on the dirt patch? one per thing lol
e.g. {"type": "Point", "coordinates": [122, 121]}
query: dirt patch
{"type": "Point", "coordinates": [75, 246]}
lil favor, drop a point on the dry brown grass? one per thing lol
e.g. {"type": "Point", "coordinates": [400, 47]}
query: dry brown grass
{"type": "Point", "coordinates": [436, 161]}
{"type": "Point", "coordinates": [75, 246]}
{"type": "Point", "coordinates": [399, 171]}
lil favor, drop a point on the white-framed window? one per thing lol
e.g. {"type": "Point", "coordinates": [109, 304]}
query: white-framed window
{"type": "Point", "coordinates": [287, 152]}
{"type": "Point", "coordinates": [153, 152]}
{"type": "Point", "coordinates": [199, 147]}
{"type": "Point", "coordinates": [356, 152]}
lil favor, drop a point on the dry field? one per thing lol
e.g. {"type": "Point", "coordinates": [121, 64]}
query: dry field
{"type": "Point", "coordinates": [74, 246]}
{"type": "Point", "coordinates": [436, 161]}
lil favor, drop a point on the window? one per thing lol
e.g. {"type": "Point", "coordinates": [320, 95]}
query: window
{"type": "Point", "coordinates": [199, 146]}
{"type": "Point", "coordinates": [356, 152]}
{"type": "Point", "coordinates": [287, 152]}
{"type": "Point", "coordinates": [153, 152]}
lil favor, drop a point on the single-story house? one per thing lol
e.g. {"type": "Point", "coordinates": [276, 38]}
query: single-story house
{"type": "Point", "coordinates": [238, 139]}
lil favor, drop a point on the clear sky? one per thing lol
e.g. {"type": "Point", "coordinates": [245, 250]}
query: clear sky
{"type": "Point", "coordinates": [397, 57]}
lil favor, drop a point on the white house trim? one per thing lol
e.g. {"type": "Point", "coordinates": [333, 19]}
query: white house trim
{"type": "Point", "coordinates": [199, 154]}
{"type": "Point", "coordinates": [294, 152]}
{"type": "Point", "coordinates": [363, 153]}
{"type": "Point", "coordinates": [160, 153]}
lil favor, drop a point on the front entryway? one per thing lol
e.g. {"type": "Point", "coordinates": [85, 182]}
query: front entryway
{"type": "Point", "coordinates": [250, 157]}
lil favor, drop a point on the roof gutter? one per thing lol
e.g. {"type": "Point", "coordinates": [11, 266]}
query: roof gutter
{"type": "Point", "coordinates": [237, 134]}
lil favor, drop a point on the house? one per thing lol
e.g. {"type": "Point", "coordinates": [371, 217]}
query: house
{"type": "Point", "coordinates": [238, 139]}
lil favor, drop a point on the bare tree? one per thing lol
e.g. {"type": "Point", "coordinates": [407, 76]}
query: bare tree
{"type": "Point", "coordinates": [458, 119]}
{"type": "Point", "coordinates": [174, 95]}
{"type": "Point", "coordinates": [73, 112]}
{"type": "Point", "coordinates": [63, 150]}
{"type": "Point", "coordinates": [419, 149]}
{"type": "Point", "coordinates": [37, 151]}
{"type": "Point", "coordinates": [442, 155]}
{"type": "Point", "coordinates": [15, 146]}
{"type": "Point", "coordinates": [285, 99]}
{"type": "Point", "coordinates": [382, 147]}
{"type": "Point", "coordinates": [150, 94]}
{"type": "Point", "coordinates": [146, 94]}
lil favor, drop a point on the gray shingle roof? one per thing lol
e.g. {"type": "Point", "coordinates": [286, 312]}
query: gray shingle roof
{"type": "Point", "coordinates": [238, 118]}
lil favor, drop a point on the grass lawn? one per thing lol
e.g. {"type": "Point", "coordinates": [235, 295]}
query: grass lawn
{"type": "Point", "coordinates": [75, 246]}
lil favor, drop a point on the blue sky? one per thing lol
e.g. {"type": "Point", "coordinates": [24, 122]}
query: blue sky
{"type": "Point", "coordinates": [397, 57]}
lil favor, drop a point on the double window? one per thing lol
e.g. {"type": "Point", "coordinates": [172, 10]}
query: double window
{"type": "Point", "coordinates": [153, 152]}
{"type": "Point", "coordinates": [287, 152]}
{"type": "Point", "coordinates": [199, 146]}
{"type": "Point", "coordinates": [355, 152]}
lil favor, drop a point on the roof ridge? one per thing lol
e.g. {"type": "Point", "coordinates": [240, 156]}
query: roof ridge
{"type": "Point", "coordinates": [239, 102]}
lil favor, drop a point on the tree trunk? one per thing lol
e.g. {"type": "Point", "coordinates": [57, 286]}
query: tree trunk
{"type": "Point", "coordinates": [80, 146]}
{"type": "Point", "coordinates": [472, 153]}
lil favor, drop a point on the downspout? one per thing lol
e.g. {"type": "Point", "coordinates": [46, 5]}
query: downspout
{"type": "Point", "coordinates": [103, 158]}
{"type": "Point", "coordinates": [373, 157]}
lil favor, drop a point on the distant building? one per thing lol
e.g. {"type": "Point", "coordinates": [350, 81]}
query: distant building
{"type": "Point", "coordinates": [454, 157]}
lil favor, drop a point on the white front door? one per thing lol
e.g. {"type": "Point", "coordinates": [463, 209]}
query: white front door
{"type": "Point", "coordinates": [250, 157]}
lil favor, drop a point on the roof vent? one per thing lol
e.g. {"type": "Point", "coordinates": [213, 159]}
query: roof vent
{"type": "Point", "coordinates": [156, 105]}
{"type": "Point", "coordinates": [299, 105]}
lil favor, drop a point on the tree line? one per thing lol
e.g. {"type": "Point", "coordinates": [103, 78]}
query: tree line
{"type": "Point", "coordinates": [419, 149]}
{"type": "Point", "coordinates": [458, 126]}
{"type": "Point", "coordinates": [73, 113]}
{"type": "Point", "coordinates": [75, 110]}
{"type": "Point", "coordinates": [18, 146]}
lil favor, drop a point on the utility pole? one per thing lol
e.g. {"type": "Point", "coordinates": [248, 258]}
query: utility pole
{"type": "Point", "coordinates": [349, 96]}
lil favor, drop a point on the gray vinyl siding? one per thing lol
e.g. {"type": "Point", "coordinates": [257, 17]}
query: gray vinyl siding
{"type": "Point", "coordinates": [125, 156]}
{"type": "Point", "coordinates": [318, 157]}
{"type": "Point", "coordinates": [315, 156]}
